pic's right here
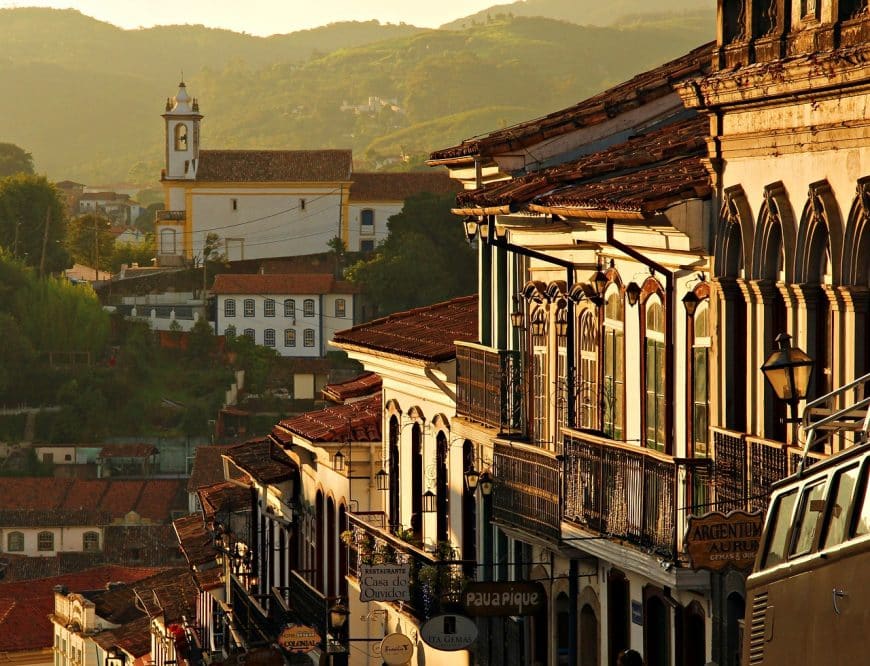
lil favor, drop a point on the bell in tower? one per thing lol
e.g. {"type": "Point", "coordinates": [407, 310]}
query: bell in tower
{"type": "Point", "coordinates": [182, 118]}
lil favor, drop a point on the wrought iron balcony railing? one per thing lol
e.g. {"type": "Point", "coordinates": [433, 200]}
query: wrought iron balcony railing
{"type": "Point", "coordinates": [631, 493]}
{"type": "Point", "coordinates": [170, 215]}
{"type": "Point", "coordinates": [436, 578]}
{"type": "Point", "coordinates": [489, 387]}
{"type": "Point", "coordinates": [302, 601]}
{"type": "Point", "coordinates": [527, 491]}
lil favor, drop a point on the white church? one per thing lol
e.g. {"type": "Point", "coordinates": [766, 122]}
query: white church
{"type": "Point", "coordinates": [267, 204]}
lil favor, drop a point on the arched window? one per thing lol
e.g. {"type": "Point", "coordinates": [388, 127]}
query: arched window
{"type": "Point", "coordinates": [249, 333]}
{"type": "Point", "coordinates": [613, 362]}
{"type": "Point", "coordinates": [249, 307]}
{"type": "Point", "coordinates": [441, 488]}
{"type": "Point", "coordinates": [269, 337]}
{"type": "Point", "coordinates": [308, 337]}
{"type": "Point", "coordinates": [230, 332]}
{"type": "Point", "coordinates": [15, 542]}
{"type": "Point", "coordinates": [540, 385]}
{"type": "Point", "coordinates": [562, 390]}
{"type": "Point", "coordinates": [91, 542]}
{"type": "Point", "coordinates": [308, 307]}
{"type": "Point", "coordinates": [167, 241]}
{"type": "Point", "coordinates": [230, 307]}
{"type": "Point", "coordinates": [654, 370]}
{"type": "Point", "coordinates": [269, 307]}
{"type": "Point", "coordinates": [588, 370]}
{"type": "Point", "coordinates": [393, 464]}
{"type": "Point", "coordinates": [289, 337]}
{"type": "Point", "coordinates": [181, 136]}
{"type": "Point", "coordinates": [45, 541]}
{"type": "Point", "coordinates": [417, 480]}
{"type": "Point", "coordinates": [700, 375]}
{"type": "Point", "coordinates": [290, 308]}
{"type": "Point", "coordinates": [367, 221]}
{"type": "Point", "coordinates": [340, 307]}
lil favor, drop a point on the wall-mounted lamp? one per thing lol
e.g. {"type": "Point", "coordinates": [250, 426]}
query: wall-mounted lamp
{"type": "Point", "coordinates": [486, 484]}
{"type": "Point", "coordinates": [338, 462]}
{"type": "Point", "coordinates": [562, 323]}
{"type": "Point", "coordinates": [338, 615]}
{"type": "Point", "coordinates": [470, 224]}
{"type": "Point", "coordinates": [472, 477]}
{"type": "Point", "coordinates": [538, 326]}
{"type": "Point", "coordinates": [518, 317]}
{"type": "Point", "coordinates": [430, 501]}
{"type": "Point", "coordinates": [382, 479]}
{"type": "Point", "coordinates": [632, 292]}
{"type": "Point", "coordinates": [600, 282]}
{"type": "Point", "coordinates": [690, 302]}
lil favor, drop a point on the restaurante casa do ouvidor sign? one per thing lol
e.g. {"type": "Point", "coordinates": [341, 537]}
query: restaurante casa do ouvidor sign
{"type": "Point", "coordinates": [503, 599]}
{"type": "Point", "coordinates": [716, 540]}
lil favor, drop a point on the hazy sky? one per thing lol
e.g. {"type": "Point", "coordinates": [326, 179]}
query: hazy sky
{"type": "Point", "coordinates": [264, 17]}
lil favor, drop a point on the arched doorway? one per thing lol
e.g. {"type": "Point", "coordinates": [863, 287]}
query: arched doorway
{"type": "Point", "coordinates": [694, 636]}
{"type": "Point", "coordinates": [563, 629]}
{"type": "Point", "coordinates": [442, 499]}
{"type": "Point", "coordinates": [342, 552]}
{"type": "Point", "coordinates": [331, 549]}
{"type": "Point", "coordinates": [469, 510]}
{"type": "Point", "coordinates": [736, 607]}
{"type": "Point", "coordinates": [588, 636]}
{"type": "Point", "coordinates": [393, 470]}
{"type": "Point", "coordinates": [618, 614]}
{"type": "Point", "coordinates": [319, 556]}
{"type": "Point", "coordinates": [656, 629]}
{"type": "Point", "coordinates": [417, 481]}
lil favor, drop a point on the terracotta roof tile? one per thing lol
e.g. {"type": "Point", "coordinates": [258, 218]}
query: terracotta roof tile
{"type": "Point", "coordinates": [426, 333]}
{"type": "Point", "coordinates": [195, 541]}
{"type": "Point", "coordinates": [399, 186]}
{"type": "Point", "coordinates": [26, 605]}
{"type": "Point", "coordinates": [134, 637]}
{"type": "Point", "coordinates": [366, 384]}
{"type": "Point", "coordinates": [293, 284]}
{"type": "Point", "coordinates": [208, 467]}
{"type": "Point", "coordinates": [226, 496]}
{"type": "Point", "coordinates": [644, 173]}
{"type": "Point", "coordinates": [53, 517]}
{"type": "Point", "coordinates": [623, 97]}
{"type": "Point", "coordinates": [355, 422]}
{"type": "Point", "coordinates": [267, 166]}
{"type": "Point", "coordinates": [263, 460]}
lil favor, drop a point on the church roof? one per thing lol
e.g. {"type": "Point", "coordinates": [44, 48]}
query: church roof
{"type": "Point", "coordinates": [274, 166]}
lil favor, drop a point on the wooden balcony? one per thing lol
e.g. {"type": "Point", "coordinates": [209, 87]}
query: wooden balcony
{"type": "Point", "coordinates": [489, 387]}
{"type": "Point", "coordinates": [436, 578]}
{"type": "Point", "coordinates": [630, 493]}
{"type": "Point", "coordinates": [527, 489]}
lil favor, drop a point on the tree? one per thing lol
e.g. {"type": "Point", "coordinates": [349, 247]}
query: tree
{"type": "Point", "coordinates": [33, 222]}
{"type": "Point", "coordinates": [424, 259]}
{"type": "Point", "coordinates": [141, 252]}
{"type": "Point", "coordinates": [90, 240]}
{"type": "Point", "coordinates": [14, 160]}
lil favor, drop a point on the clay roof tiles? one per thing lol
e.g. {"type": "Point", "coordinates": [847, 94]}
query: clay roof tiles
{"type": "Point", "coordinates": [635, 92]}
{"type": "Point", "coordinates": [290, 284]}
{"type": "Point", "coordinates": [426, 333]}
{"type": "Point", "coordinates": [225, 496]}
{"type": "Point", "coordinates": [354, 422]}
{"type": "Point", "coordinates": [208, 467]}
{"type": "Point", "coordinates": [363, 385]}
{"type": "Point", "coordinates": [264, 460]}
{"type": "Point", "coordinates": [128, 451]}
{"type": "Point", "coordinates": [399, 186]}
{"type": "Point", "coordinates": [268, 166]}
{"type": "Point", "coordinates": [26, 605]}
{"type": "Point", "coordinates": [196, 543]}
{"type": "Point", "coordinates": [645, 173]}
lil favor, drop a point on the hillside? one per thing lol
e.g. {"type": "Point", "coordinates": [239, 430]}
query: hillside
{"type": "Point", "coordinates": [88, 106]}
{"type": "Point", "coordinates": [583, 12]}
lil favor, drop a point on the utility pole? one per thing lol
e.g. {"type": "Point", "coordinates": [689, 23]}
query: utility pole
{"type": "Point", "coordinates": [44, 242]}
{"type": "Point", "coordinates": [96, 249]}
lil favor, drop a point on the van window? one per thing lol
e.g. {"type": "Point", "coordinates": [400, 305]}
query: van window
{"type": "Point", "coordinates": [779, 527]}
{"type": "Point", "coordinates": [844, 482]}
{"type": "Point", "coordinates": [809, 518]}
{"type": "Point", "coordinates": [862, 524]}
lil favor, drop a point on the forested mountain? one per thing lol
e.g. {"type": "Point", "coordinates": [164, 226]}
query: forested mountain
{"type": "Point", "coordinates": [85, 98]}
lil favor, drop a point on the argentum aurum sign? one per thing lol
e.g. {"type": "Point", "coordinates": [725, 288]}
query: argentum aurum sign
{"type": "Point", "coordinates": [503, 599]}
{"type": "Point", "coordinates": [715, 540]}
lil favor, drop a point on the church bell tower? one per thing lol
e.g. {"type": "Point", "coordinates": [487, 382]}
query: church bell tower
{"type": "Point", "coordinates": [182, 118]}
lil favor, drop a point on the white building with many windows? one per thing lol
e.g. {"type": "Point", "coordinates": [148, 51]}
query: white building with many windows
{"type": "Point", "coordinates": [296, 315]}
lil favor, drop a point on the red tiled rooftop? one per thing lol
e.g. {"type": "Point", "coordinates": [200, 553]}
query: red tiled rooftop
{"type": "Point", "coordinates": [195, 541]}
{"type": "Point", "coordinates": [399, 186]}
{"type": "Point", "coordinates": [263, 460]}
{"type": "Point", "coordinates": [267, 166]}
{"type": "Point", "coordinates": [366, 384]}
{"type": "Point", "coordinates": [354, 422]}
{"type": "Point", "coordinates": [645, 173]}
{"type": "Point", "coordinates": [635, 92]}
{"type": "Point", "coordinates": [291, 284]}
{"type": "Point", "coordinates": [26, 605]}
{"type": "Point", "coordinates": [426, 333]}
{"type": "Point", "coordinates": [128, 451]}
{"type": "Point", "coordinates": [208, 466]}
{"type": "Point", "coordinates": [225, 496]}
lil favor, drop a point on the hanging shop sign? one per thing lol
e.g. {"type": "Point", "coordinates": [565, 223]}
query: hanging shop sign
{"type": "Point", "coordinates": [298, 639]}
{"type": "Point", "coordinates": [449, 632]}
{"type": "Point", "coordinates": [396, 649]}
{"type": "Point", "coordinates": [385, 582]}
{"type": "Point", "coordinates": [716, 540]}
{"type": "Point", "coordinates": [503, 599]}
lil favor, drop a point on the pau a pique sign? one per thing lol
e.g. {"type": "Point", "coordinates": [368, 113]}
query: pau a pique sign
{"type": "Point", "coordinates": [503, 599]}
{"type": "Point", "coordinates": [385, 582]}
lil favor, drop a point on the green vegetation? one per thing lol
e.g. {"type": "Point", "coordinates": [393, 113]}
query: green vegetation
{"type": "Point", "coordinates": [424, 259]}
{"type": "Point", "coordinates": [287, 91]}
{"type": "Point", "coordinates": [90, 241]}
{"type": "Point", "coordinates": [14, 159]}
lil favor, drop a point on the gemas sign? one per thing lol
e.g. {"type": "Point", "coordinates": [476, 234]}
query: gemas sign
{"type": "Point", "coordinates": [503, 599]}
{"type": "Point", "coordinates": [715, 541]}
{"type": "Point", "coordinates": [385, 582]}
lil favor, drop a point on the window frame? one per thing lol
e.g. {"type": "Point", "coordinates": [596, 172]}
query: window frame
{"type": "Point", "coordinates": [230, 307]}
{"type": "Point", "coordinates": [269, 335]}
{"type": "Point", "coordinates": [700, 344]}
{"type": "Point", "coordinates": [308, 308]}
{"type": "Point", "coordinates": [251, 334]}
{"type": "Point", "coordinates": [340, 308]}
{"type": "Point", "coordinates": [91, 542]}
{"type": "Point", "coordinates": [367, 228]}
{"type": "Point", "coordinates": [249, 308]}
{"type": "Point", "coordinates": [589, 363]}
{"type": "Point", "coordinates": [289, 337]}
{"type": "Point", "coordinates": [309, 338]}
{"type": "Point", "coordinates": [290, 307]}
{"type": "Point", "coordinates": [613, 415]}
{"type": "Point", "coordinates": [172, 234]}
{"type": "Point", "coordinates": [19, 535]}
{"type": "Point", "coordinates": [269, 307]}
{"type": "Point", "coordinates": [655, 370]}
{"type": "Point", "coordinates": [45, 541]}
